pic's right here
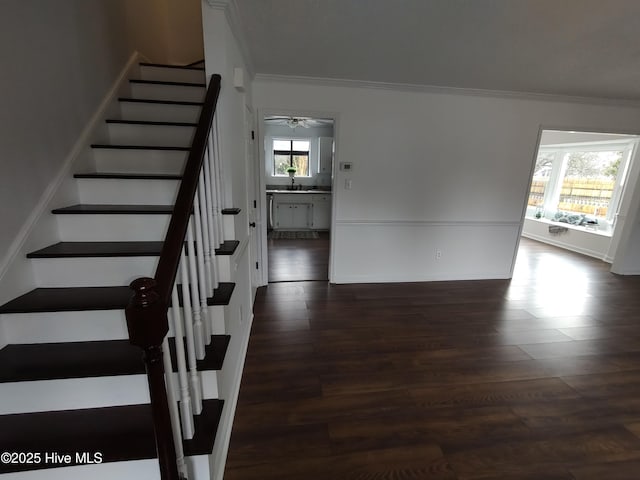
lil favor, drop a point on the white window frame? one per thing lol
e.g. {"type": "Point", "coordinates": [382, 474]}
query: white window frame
{"type": "Point", "coordinates": [559, 165]}
{"type": "Point", "coordinates": [290, 139]}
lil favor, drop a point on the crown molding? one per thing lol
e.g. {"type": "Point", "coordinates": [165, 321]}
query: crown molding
{"type": "Point", "coordinates": [475, 92]}
{"type": "Point", "coordinates": [230, 9]}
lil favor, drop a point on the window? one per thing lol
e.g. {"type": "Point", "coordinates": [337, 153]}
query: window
{"type": "Point", "coordinates": [541, 178]}
{"type": "Point", "coordinates": [579, 185]}
{"type": "Point", "coordinates": [291, 153]}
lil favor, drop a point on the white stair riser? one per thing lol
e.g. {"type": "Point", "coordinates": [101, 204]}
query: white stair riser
{"type": "Point", "coordinates": [229, 226]}
{"type": "Point", "coordinates": [139, 161]}
{"type": "Point", "coordinates": [198, 467]}
{"type": "Point", "coordinates": [224, 268]}
{"type": "Point", "coordinates": [216, 314]}
{"type": "Point", "coordinates": [92, 392]}
{"type": "Point", "coordinates": [132, 470]}
{"type": "Point", "coordinates": [96, 272]}
{"type": "Point", "coordinates": [112, 227]}
{"type": "Point", "coordinates": [43, 327]}
{"type": "Point", "coordinates": [151, 91]}
{"type": "Point", "coordinates": [171, 74]}
{"type": "Point", "coordinates": [83, 326]}
{"type": "Point", "coordinates": [127, 191]}
{"type": "Point", "coordinates": [159, 112]}
{"type": "Point", "coordinates": [163, 135]}
{"type": "Point", "coordinates": [73, 393]}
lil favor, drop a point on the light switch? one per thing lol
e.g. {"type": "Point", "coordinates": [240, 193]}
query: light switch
{"type": "Point", "coordinates": [347, 184]}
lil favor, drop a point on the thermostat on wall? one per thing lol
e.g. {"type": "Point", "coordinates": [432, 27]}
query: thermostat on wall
{"type": "Point", "coordinates": [346, 166]}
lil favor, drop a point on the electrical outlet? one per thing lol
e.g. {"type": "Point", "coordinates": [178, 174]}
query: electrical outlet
{"type": "Point", "coordinates": [438, 254]}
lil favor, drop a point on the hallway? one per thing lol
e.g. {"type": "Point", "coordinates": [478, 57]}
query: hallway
{"type": "Point", "coordinates": [533, 378]}
{"type": "Point", "coordinates": [299, 260]}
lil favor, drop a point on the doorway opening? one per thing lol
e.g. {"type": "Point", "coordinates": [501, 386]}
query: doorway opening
{"type": "Point", "coordinates": [579, 187]}
{"type": "Point", "coordinates": [298, 172]}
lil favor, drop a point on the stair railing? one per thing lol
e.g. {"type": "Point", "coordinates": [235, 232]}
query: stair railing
{"type": "Point", "coordinates": [184, 278]}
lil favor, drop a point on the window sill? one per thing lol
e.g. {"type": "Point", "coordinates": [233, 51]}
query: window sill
{"type": "Point", "coordinates": [578, 228]}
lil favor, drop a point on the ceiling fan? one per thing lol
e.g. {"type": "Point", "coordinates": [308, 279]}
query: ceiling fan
{"type": "Point", "coordinates": [294, 122]}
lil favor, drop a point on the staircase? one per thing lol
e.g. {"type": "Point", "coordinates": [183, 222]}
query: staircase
{"type": "Point", "coordinates": [74, 394]}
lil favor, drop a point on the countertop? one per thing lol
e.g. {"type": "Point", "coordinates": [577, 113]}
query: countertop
{"type": "Point", "coordinates": [313, 192]}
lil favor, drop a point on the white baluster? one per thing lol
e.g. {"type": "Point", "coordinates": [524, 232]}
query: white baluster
{"type": "Point", "coordinates": [174, 414]}
{"type": "Point", "coordinates": [217, 177]}
{"type": "Point", "coordinates": [186, 414]}
{"type": "Point", "coordinates": [205, 325]}
{"type": "Point", "coordinates": [206, 243]}
{"type": "Point", "coordinates": [209, 210]}
{"type": "Point", "coordinates": [195, 294]}
{"type": "Point", "coordinates": [194, 376]}
{"type": "Point", "coordinates": [215, 215]}
{"type": "Point", "coordinates": [220, 163]}
{"type": "Point", "coordinates": [214, 197]}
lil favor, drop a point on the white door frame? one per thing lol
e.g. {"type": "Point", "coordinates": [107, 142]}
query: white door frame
{"type": "Point", "coordinates": [261, 196]}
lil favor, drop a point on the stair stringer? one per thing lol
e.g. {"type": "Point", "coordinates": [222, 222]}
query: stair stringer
{"type": "Point", "coordinates": [238, 319]}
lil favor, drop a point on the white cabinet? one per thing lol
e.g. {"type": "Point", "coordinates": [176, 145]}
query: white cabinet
{"type": "Point", "coordinates": [302, 211]}
{"type": "Point", "coordinates": [293, 211]}
{"type": "Point", "coordinates": [321, 212]}
{"type": "Point", "coordinates": [326, 154]}
{"type": "Point", "coordinates": [293, 215]}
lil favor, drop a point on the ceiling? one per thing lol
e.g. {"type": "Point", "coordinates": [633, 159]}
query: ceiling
{"type": "Point", "coordinates": [588, 48]}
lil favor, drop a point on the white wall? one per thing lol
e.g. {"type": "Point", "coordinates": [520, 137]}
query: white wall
{"type": "Point", "coordinates": [432, 171]}
{"type": "Point", "coordinates": [626, 241]}
{"type": "Point", "coordinates": [59, 61]}
{"type": "Point", "coordinates": [576, 239]}
{"type": "Point", "coordinates": [166, 31]}
{"type": "Point", "coordinates": [555, 137]}
{"type": "Point", "coordinates": [223, 56]}
{"type": "Point", "coordinates": [185, 32]}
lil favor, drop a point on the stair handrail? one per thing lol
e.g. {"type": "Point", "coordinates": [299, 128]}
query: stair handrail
{"type": "Point", "coordinates": [147, 311]}
{"type": "Point", "coordinates": [174, 240]}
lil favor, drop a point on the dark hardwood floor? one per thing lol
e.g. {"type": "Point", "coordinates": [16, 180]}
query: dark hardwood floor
{"type": "Point", "coordinates": [299, 260]}
{"type": "Point", "coordinates": [531, 379]}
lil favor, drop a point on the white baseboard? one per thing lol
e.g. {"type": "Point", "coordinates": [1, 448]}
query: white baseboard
{"type": "Point", "coordinates": [344, 279]}
{"type": "Point", "coordinates": [13, 280]}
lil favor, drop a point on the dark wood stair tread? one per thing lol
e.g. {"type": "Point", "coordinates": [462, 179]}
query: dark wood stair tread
{"type": "Point", "coordinates": [48, 361]}
{"type": "Point", "coordinates": [221, 295]}
{"type": "Point", "coordinates": [230, 211]}
{"type": "Point", "coordinates": [129, 176]}
{"type": "Point", "coordinates": [114, 209]}
{"type": "Point", "coordinates": [120, 433]}
{"type": "Point", "coordinates": [228, 247]}
{"type": "Point", "coordinates": [168, 83]}
{"type": "Point", "coordinates": [63, 299]}
{"type": "Point", "coordinates": [114, 249]}
{"type": "Point", "coordinates": [152, 123]}
{"type": "Point", "coordinates": [180, 67]}
{"type": "Point", "coordinates": [159, 101]}
{"type": "Point", "coordinates": [139, 147]}
{"type": "Point", "coordinates": [71, 299]}
{"type": "Point", "coordinates": [98, 249]}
